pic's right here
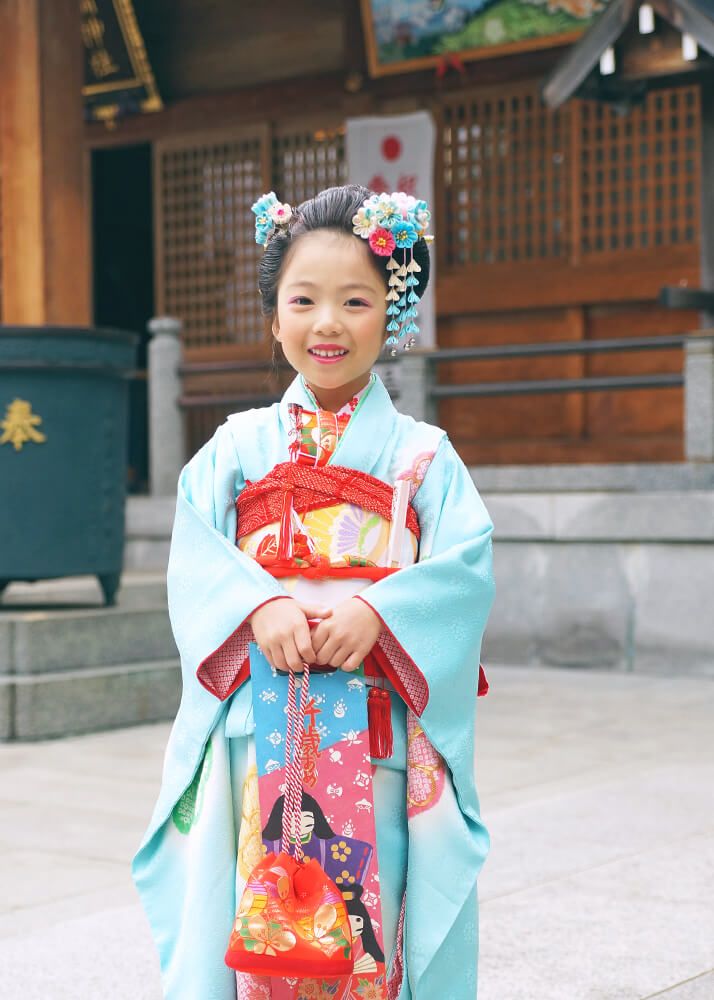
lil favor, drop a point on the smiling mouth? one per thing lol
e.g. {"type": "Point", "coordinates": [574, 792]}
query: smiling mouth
{"type": "Point", "coordinates": [327, 354]}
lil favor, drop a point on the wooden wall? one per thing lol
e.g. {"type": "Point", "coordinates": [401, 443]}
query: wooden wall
{"type": "Point", "coordinates": [550, 226]}
{"type": "Point", "coordinates": [564, 226]}
{"type": "Point", "coordinates": [197, 46]}
{"type": "Point", "coordinates": [43, 198]}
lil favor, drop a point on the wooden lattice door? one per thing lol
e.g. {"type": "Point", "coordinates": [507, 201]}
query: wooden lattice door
{"type": "Point", "coordinates": [307, 159]}
{"type": "Point", "coordinates": [564, 225]}
{"type": "Point", "coordinates": [206, 255]}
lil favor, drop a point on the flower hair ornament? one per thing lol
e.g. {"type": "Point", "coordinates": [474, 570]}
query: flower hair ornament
{"type": "Point", "coordinates": [389, 222]}
{"type": "Point", "coordinates": [270, 214]}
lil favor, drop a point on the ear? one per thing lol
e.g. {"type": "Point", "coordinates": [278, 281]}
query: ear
{"type": "Point", "coordinates": [275, 327]}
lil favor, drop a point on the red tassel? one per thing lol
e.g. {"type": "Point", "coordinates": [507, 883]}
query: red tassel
{"type": "Point", "coordinates": [379, 713]}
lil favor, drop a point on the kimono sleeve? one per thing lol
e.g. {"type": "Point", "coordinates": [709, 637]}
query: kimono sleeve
{"type": "Point", "coordinates": [213, 588]}
{"type": "Point", "coordinates": [434, 613]}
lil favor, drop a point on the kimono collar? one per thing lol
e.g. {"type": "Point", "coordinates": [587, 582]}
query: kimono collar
{"type": "Point", "coordinates": [368, 431]}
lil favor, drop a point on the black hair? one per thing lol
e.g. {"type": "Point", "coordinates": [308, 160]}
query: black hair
{"type": "Point", "coordinates": [356, 908]}
{"type": "Point", "coordinates": [332, 209]}
{"type": "Point", "coordinates": [274, 827]}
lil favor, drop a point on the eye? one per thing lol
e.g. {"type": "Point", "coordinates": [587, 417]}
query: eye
{"type": "Point", "coordinates": [358, 302]}
{"type": "Point", "coordinates": [299, 300]}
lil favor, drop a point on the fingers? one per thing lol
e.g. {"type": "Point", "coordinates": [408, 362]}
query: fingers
{"type": "Point", "coordinates": [351, 663]}
{"type": "Point", "coordinates": [282, 653]}
{"type": "Point", "coordinates": [314, 610]}
{"type": "Point", "coordinates": [276, 657]}
{"type": "Point", "coordinates": [303, 643]}
{"type": "Point", "coordinates": [338, 657]}
{"type": "Point", "coordinates": [327, 651]}
{"type": "Point", "coordinates": [292, 656]}
{"type": "Point", "coordinates": [318, 638]}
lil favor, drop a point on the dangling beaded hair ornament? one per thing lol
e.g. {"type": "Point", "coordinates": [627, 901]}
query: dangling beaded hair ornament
{"type": "Point", "coordinates": [388, 222]}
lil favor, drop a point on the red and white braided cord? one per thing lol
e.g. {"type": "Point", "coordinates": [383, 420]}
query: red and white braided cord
{"type": "Point", "coordinates": [292, 806]}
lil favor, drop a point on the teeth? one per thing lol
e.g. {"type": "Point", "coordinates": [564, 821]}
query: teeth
{"type": "Point", "coordinates": [327, 354]}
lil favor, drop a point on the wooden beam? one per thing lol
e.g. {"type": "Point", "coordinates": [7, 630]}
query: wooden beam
{"type": "Point", "coordinates": [599, 278]}
{"type": "Point", "coordinates": [281, 99]}
{"type": "Point", "coordinates": [45, 233]}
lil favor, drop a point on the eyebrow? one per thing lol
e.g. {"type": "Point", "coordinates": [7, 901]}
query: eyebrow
{"type": "Point", "coordinates": [342, 288]}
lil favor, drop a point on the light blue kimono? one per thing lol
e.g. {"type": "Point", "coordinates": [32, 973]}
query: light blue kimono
{"type": "Point", "coordinates": [185, 868]}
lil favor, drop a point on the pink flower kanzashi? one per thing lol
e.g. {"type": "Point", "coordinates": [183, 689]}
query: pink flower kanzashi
{"type": "Point", "coordinates": [405, 202]}
{"type": "Point", "coordinates": [382, 242]}
{"type": "Point", "coordinates": [280, 213]}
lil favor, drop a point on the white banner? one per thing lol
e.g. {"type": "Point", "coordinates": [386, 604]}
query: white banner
{"type": "Point", "coordinates": [396, 153]}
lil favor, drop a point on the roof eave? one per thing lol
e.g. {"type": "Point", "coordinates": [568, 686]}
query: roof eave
{"type": "Point", "coordinates": [691, 17]}
{"type": "Point", "coordinates": [577, 63]}
{"type": "Point", "coordinates": [688, 16]}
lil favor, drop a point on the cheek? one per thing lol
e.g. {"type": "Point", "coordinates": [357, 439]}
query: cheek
{"type": "Point", "coordinates": [287, 325]}
{"type": "Point", "coordinates": [373, 324]}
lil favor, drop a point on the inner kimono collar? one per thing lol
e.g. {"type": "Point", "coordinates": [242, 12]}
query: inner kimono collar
{"type": "Point", "coordinates": [348, 408]}
{"type": "Point", "coordinates": [369, 429]}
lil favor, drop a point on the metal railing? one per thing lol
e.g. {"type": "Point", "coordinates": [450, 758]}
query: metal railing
{"type": "Point", "coordinates": [595, 383]}
{"type": "Point", "coordinates": [499, 352]}
{"type": "Point", "coordinates": [192, 401]}
{"type": "Point", "coordinates": [413, 381]}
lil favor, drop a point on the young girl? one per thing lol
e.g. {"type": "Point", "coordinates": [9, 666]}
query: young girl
{"type": "Point", "coordinates": [328, 529]}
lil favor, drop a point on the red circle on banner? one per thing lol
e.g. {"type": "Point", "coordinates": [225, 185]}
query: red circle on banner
{"type": "Point", "coordinates": [391, 148]}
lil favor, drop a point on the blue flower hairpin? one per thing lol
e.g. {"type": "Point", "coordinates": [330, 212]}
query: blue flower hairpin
{"type": "Point", "coordinates": [270, 214]}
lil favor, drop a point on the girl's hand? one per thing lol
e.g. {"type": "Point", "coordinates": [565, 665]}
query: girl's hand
{"type": "Point", "coordinates": [344, 639]}
{"type": "Point", "coordinates": [281, 630]}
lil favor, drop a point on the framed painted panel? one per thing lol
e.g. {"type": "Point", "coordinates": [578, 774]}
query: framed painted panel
{"type": "Point", "coordinates": [404, 35]}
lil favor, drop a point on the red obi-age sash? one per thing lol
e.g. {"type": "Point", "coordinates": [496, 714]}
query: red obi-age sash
{"type": "Point", "coordinates": [296, 487]}
{"type": "Point", "coordinates": [292, 487]}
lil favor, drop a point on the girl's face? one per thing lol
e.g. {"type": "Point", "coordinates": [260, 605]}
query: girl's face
{"type": "Point", "coordinates": [331, 313]}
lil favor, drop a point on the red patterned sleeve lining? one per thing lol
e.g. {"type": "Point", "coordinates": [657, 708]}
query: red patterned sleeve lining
{"type": "Point", "coordinates": [226, 668]}
{"type": "Point", "coordinates": [399, 668]}
{"type": "Point", "coordinates": [403, 673]}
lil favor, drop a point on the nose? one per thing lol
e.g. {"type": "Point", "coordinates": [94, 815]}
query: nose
{"type": "Point", "coordinates": [327, 321]}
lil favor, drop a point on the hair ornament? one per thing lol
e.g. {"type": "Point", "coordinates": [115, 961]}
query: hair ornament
{"type": "Point", "coordinates": [270, 214]}
{"type": "Point", "coordinates": [392, 222]}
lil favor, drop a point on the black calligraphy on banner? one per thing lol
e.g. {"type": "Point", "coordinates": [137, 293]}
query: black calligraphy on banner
{"type": "Point", "coordinates": [118, 79]}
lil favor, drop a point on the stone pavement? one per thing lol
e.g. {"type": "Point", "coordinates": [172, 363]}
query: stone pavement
{"type": "Point", "coordinates": [597, 789]}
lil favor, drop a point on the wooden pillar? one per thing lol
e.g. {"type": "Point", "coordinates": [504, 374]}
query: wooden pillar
{"type": "Point", "coordinates": [707, 189]}
{"type": "Point", "coordinates": [43, 206]}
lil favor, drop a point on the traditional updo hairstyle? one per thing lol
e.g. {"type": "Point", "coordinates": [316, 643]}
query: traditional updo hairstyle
{"type": "Point", "coordinates": [332, 209]}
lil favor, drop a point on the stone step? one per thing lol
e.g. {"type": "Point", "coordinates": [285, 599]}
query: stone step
{"type": "Point", "coordinates": [63, 625]}
{"type": "Point", "coordinates": [70, 665]}
{"type": "Point", "coordinates": [35, 642]}
{"type": "Point", "coordinates": [47, 705]}
{"type": "Point", "coordinates": [138, 589]}
{"type": "Point", "coordinates": [148, 532]}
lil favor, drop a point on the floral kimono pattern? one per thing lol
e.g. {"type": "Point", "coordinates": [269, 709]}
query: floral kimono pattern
{"type": "Point", "coordinates": [433, 611]}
